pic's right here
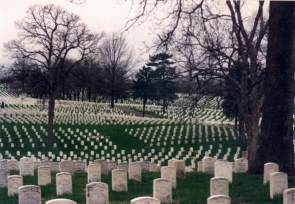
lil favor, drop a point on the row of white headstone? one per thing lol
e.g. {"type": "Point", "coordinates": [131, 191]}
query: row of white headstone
{"type": "Point", "coordinates": [162, 186]}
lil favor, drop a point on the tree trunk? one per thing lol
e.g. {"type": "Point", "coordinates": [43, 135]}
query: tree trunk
{"type": "Point", "coordinates": [241, 106]}
{"type": "Point", "coordinates": [50, 117]}
{"type": "Point", "coordinates": [83, 90]}
{"type": "Point", "coordinates": [236, 123]}
{"type": "Point", "coordinates": [112, 99]}
{"type": "Point", "coordinates": [164, 104]}
{"type": "Point", "coordinates": [276, 142]}
{"type": "Point", "coordinates": [143, 109]}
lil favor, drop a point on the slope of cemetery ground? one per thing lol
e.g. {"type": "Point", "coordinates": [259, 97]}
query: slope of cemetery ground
{"type": "Point", "coordinates": [85, 134]}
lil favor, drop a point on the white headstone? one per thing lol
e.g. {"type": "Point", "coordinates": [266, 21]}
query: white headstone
{"type": "Point", "coordinates": [134, 171]}
{"type": "Point", "coordinates": [152, 167]}
{"type": "Point", "coordinates": [67, 166]}
{"type": "Point", "coordinates": [13, 164]}
{"type": "Point", "coordinates": [60, 201]}
{"type": "Point", "coordinates": [200, 166]}
{"type": "Point", "coordinates": [208, 165]}
{"type": "Point", "coordinates": [218, 199]}
{"type": "Point", "coordinates": [26, 166]}
{"type": "Point", "coordinates": [170, 162]}
{"type": "Point", "coordinates": [46, 163]}
{"type": "Point", "coordinates": [268, 169]}
{"type": "Point", "coordinates": [144, 166]}
{"type": "Point", "coordinates": [29, 194]}
{"type": "Point", "coordinates": [36, 165]}
{"type": "Point", "coordinates": [278, 182]}
{"type": "Point", "coordinates": [103, 164]}
{"type": "Point", "coordinates": [3, 164]}
{"type": "Point", "coordinates": [80, 166]}
{"type": "Point", "coordinates": [97, 192]}
{"type": "Point", "coordinates": [180, 168]}
{"type": "Point", "coordinates": [145, 200]}
{"type": "Point", "coordinates": [119, 180]}
{"type": "Point", "coordinates": [4, 173]}
{"type": "Point", "coordinates": [44, 175]}
{"type": "Point", "coordinates": [63, 183]}
{"type": "Point", "coordinates": [289, 196]}
{"type": "Point", "coordinates": [14, 182]}
{"type": "Point", "coordinates": [169, 172]}
{"type": "Point", "coordinates": [55, 166]}
{"type": "Point", "coordinates": [94, 173]}
{"type": "Point", "coordinates": [112, 165]}
{"type": "Point", "coordinates": [219, 186]}
{"type": "Point", "coordinates": [123, 165]}
{"type": "Point", "coordinates": [223, 169]}
{"type": "Point", "coordinates": [241, 166]}
{"type": "Point", "coordinates": [162, 190]}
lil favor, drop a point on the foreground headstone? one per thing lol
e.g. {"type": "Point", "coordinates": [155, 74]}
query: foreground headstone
{"type": "Point", "coordinates": [97, 192]}
{"type": "Point", "coordinates": [44, 175]}
{"type": "Point", "coordinates": [170, 162]}
{"type": "Point", "coordinates": [94, 173]}
{"type": "Point", "coordinates": [29, 194]}
{"type": "Point", "coordinates": [152, 167]}
{"type": "Point", "coordinates": [169, 172]}
{"type": "Point", "coordinates": [3, 164]}
{"type": "Point", "coordinates": [278, 182]}
{"type": "Point", "coordinates": [103, 164]}
{"type": "Point", "coordinates": [289, 196]}
{"type": "Point", "coordinates": [200, 166]}
{"type": "Point", "coordinates": [67, 166]}
{"type": "Point", "coordinates": [14, 182]}
{"type": "Point", "coordinates": [145, 200]}
{"type": "Point", "coordinates": [4, 173]}
{"type": "Point", "coordinates": [119, 180]}
{"type": "Point", "coordinates": [268, 169]}
{"type": "Point", "coordinates": [134, 171]}
{"type": "Point", "coordinates": [162, 190]}
{"type": "Point", "coordinates": [46, 163]}
{"type": "Point", "coordinates": [36, 165]}
{"type": "Point", "coordinates": [55, 166]}
{"type": "Point", "coordinates": [63, 183]}
{"type": "Point", "coordinates": [223, 169]}
{"type": "Point", "coordinates": [60, 201]}
{"type": "Point", "coordinates": [80, 166]}
{"type": "Point", "coordinates": [219, 186]}
{"type": "Point", "coordinates": [112, 165]}
{"type": "Point", "coordinates": [144, 166]}
{"type": "Point", "coordinates": [180, 168]}
{"type": "Point", "coordinates": [241, 166]}
{"type": "Point", "coordinates": [13, 164]}
{"type": "Point", "coordinates": [218, 199]}
{"type": "Point", "coordinates": [208, 165]}
{"type": "Point", "coordinates": [26, 166]}
{"type": "Point", "coordinates": [123, 165]}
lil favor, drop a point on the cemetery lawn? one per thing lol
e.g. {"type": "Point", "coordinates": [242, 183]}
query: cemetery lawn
{"type": "Point", "coordinates": [89, 131]}
{"type": "Point", "coordinates": [194, 189]}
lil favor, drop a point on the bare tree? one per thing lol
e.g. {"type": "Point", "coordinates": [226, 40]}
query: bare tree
{"type": "Point", "coordinates": [48, 35]}
{"type": "Point", "coordinates": [276, 141]}
{"type": "Point", "coordinates": [238, 43]}
{"type": "Point", "coordinates": [116, 61]}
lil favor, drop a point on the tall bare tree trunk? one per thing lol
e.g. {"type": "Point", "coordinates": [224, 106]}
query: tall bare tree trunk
{"type": "Point", "coordinates": [276, 142]}
{"type": "Point", "coordinates": [143, 109]}
{"type": "Point", "coordinates": [50, 117]}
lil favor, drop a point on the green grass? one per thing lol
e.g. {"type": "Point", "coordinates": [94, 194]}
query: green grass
{"type": "Point", "coordinates": [193, 189]}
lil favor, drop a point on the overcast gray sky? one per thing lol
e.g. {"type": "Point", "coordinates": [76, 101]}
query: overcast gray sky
{"type": "Point", "coordinates": [99, 15]}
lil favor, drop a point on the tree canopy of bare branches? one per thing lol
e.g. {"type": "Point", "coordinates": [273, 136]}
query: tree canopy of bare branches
{"type": "Point", "coordinates": [116, 61]}
{"type": "Point", "coordinates": [48, 35]}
